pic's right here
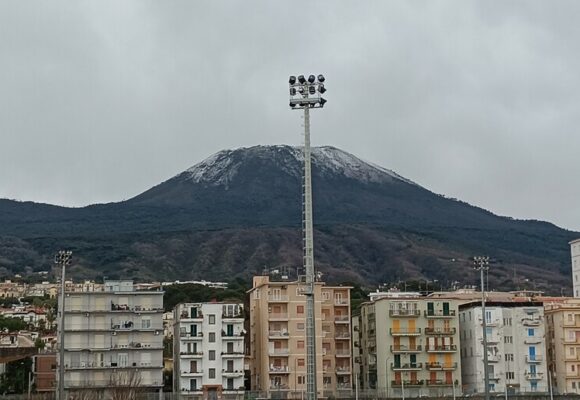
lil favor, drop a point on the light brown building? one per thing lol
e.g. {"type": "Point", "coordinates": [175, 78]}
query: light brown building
{"type": "Point", "coordinates": [44, 367]}
{"type": "Point", "coordinates": [277, 337]}
{"type": "Point", "coordinates": [563, 344]}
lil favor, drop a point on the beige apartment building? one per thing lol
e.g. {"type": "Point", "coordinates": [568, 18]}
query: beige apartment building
{"type": "Point", "coordinates": [409, 345]}
{"type": "Point", "coordinates": [563, 344]}
{"type": "Point", "coordinates": [278, 341]}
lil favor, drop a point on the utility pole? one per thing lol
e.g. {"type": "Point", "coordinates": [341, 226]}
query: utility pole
{"type": "Point", "coordinates": [62, 258]}
{"type": "Point", "coordinates": [481, 265]}
{"type": "Point", "coordinates": [306, 94]}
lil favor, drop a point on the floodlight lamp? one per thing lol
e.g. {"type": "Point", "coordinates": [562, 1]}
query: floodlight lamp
{"type": "Point", "coordinates": [311, 78]}
{"type": "Point", "coordinates": [292, 105]}
{"type": "Point", "coordinates": [301, 90]}
{"type": "Point", "coordinates": [321, 88]}
{"type": "Point", "coordinates": [301, 79]}
{"type": "Point", "coordinates": [292, 91]}
{"type": "Point", "coordinates": [311, 90]}
{"type": "Point", "coordinates": [320, 78]}
{"type": "Point", "coordinates": [322, 101]}
{"type": "Point", "coordinates": [292, 80]}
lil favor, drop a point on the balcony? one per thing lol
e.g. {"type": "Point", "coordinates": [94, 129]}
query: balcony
{"type": "Point", "coordinates": [342, 353]}
{"type": "Point", "coordinates": [341, 319]}
{"type": "Point", "coordinates": [230, 373]}
{"type": "Point", "coordinates": [531, 321]}
{"type": "Point", "coordinates": [341, 302]}
{"type": "Point", "coordinates": [441, 367]}
{"type": "Point", "coordinates": [532, 340]}
{"type": "Point", "coordinates": [185, 317]}
{"type": "Point", "coordinates": [405, 332]}
{"type": "Point", "coordinates": [534, 376]}
{"type": "Point", "coordinates": [440, 313]}
{"type": "Point", "coordinates": [191, 354]}
{"type": "Point", "coordinates": [440, 331]}
{"type": "Point", "coordinates": [278, 298]}
{"type": "Point", "coordinates": [490, 322]}
{"type": "Point", "coordinates": [278, 352]}
{"type": "Point", "coordinates": [342, 335]}
{"type": "Point", "coordinates": [232, 354]}
{"type": "Point", "coordinates": [439, 382]}
{"type": "Point", "coordinates": [228, 318]}
{"type": "Point", "coordinates": [278, 316]}
{"type": "Point", "coordinates": [191, 336]}
{"type": "Point", "coordinates": [278, 335]}
{"type": "Point", "coordinates": [232, 335]}
{"type": "Point", "coordinates": [343, 370]}
{"type": "Point", "coordinates": [404, 313]}
{"type": "Point", "coordinates": [279, 370]}
{"type": "Point", "coordinates": [199, 372]}
{"type": "Point", "coordinates": [494, 358]}
{"type": "Point", "coordinates": [534, 359]}
{"type": "Point", "coordinates": [407, 367]}
{"type": "Point", "coordinates": [278, 387]}
{"type": "Point", "coordinates": [450, 348]}
{"type": "Point", "coordinates": [406, 349]}
{"type": "Point", "coordinates": [408, 383]}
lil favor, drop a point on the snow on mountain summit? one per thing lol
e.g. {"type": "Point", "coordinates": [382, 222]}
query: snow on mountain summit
{"type": "Point", "coordinates": [220, 168]}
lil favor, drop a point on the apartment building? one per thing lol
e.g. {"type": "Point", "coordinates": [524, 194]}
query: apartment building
{"type": "Point", "coordinates": [113, 338]}
{"type": "Point", "coordinates": [208, 350]}
{"type": "Point", "coordinates": [575, 253]}
{"type": "Point", "coordinates": [409, 345]}
{"type": "Point", "coordinates": [278, 338]}
{"type": "Point", "coordinates": [44, 370]}
{"type": "Point", "coordinates": [563, 344]}
{"type": "Point", "coordinates": [516, 347]}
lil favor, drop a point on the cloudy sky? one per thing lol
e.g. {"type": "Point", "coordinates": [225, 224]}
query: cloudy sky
{"type": "Point", "coordinates": [477, 100]}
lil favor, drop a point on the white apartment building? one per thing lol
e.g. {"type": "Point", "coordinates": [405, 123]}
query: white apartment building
{"type": "Point", "coordinates": [575, 253]}
{"type": "Point", "coordinates": [113, 338]}
{"type": "Point", "coordinates": [516, 347]}
{"type": "Point", "coordinates": [208, 350]}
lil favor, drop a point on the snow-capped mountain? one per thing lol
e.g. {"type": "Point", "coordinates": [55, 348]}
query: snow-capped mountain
{"type": "Point", "coordinates": [222, 167]}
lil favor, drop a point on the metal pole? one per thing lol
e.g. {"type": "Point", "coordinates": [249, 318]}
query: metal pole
{"type": "Point", "coordinates": [309, 265]}
{"type": "Point", "coordinates": [402, 387]}
{"type": "Point", "coordinates": [550, 384]}
{"type": "Point", "coordinates": [481, 262]}
{"type": "Point", "coordinates": [356, 386]}
{"type": "Point", "coordinates": [61, 335]}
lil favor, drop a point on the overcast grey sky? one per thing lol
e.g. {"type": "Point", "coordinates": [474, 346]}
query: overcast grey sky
{"type": "Point", "coordinates": [477, 100]}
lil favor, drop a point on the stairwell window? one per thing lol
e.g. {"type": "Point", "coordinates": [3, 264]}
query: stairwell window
{"type": "Point", "coordinates": [211, 319]}
{"type": "Point", "coordinates": [531, 332]}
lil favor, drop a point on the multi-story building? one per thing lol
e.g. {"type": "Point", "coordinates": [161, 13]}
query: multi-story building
{"type": "Point", "coordinates": [575, 253]}
{"type": "Point", "coordinates": [563, 344]}
{"type": "Point", "coordinates": [409, 345]}
{"type": "Point", "coordinates": [278, 338]}
{"type": "Point", "coordinates": [44, 370]}
{"type": "Point", "coordinates": [516, 347]}
{"type": "Point", "coordinates": [208, 350]}
{"type": "Point", "coordinates": [113, 338]}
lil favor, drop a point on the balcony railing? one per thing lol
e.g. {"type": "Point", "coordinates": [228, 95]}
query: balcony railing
{"type": "Point", "coordinates": [341, 318]}
{"type": "Point", "coordinates": [408, 383]}
{"type": "Point", "coordinates": [279, 370]}
{"type": "Point", "coordinates": [191, 335]}
{"type": "Point", "coordinates": [194, 354]}
{"type": "Point", "coordinates": [532, 376]}
{"type": "Point", "coordinates": [534, 358]}
{"type": "Point", "coordinates": [278, 316]}
{"type": "Point", "coordinates": [186, 315]}
{"type": "Point", "coordinates": [405, 331]}
{"type": "Point", "coordinates": [406, 349]}
{"type": "Point", "coordinates": [342, 352]}
{"type": "Point", "coordinates": [441, 348]}
{"type": "Point", "coordinates": [342, 335]}
{"type": "Point", "coordinates": [343, 370]}
{"type": "Point", "coordinates": [404, 313]}
{"type": "Point", "coordinates": [278, 352]}
{"type": "Point", "coordinates": [439, 382]}
{"type": "Point", "coordinates": [278, 298]}
{"type": "Point", "coordinates": [439, 313]}
{"type": "Point", "coordinates": [441, 366]}
{"type": "Point", "coordinates": [406, 367]}
{"type": "Point", "coordinates": [341, 302]}
{"type": "Point", "coordinates": [279, 334]}
{"type": "Point", "coordinates": [440, 331]}
{"type": "Point", "coordinates": [532, 340]}
{"type": "Point", "coordinates": [531, 321]}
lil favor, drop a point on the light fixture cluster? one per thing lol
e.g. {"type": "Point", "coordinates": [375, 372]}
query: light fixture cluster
{"type": "Point", "coordinates": [306, 92]}
{"type": "Point", "coordinates": [63, 257]}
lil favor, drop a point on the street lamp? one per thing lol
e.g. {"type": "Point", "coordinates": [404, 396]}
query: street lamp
{"type": "Point", "coordinates": [304, 95]}
{"type": "Point", "coordinates": [62, 258]}
{"type": "Point", "coordinates": [482, 264]}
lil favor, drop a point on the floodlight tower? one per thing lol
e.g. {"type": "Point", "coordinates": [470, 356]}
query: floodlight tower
{"type": "Point", "coordinates": [482, 264]}
{"type": "Point", "coordinates": [62, 258]}
{"type": "Point", "coordinates": [304, 95]}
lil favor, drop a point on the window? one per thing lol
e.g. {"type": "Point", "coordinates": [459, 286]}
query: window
{"type": "Point", "coordinates": [301, 379]}
{"type": "Point", "coordinates": [327, 380]}
{"type": "Point", "coordinates": [212, 354]}
{"type": "Point", "coordinates": [300, 362]}
{"type": "Point", "coordinates": [531, 332]}
{"type": "Point", "coordinates": [212, 337]}
{"type": "Point", "coordinates": [488, 331]}
{"type": "Point", "coordinates": [300, 326]}
{"type": "Point", "coordinates": [534, 386]}
{"type": "Point", "coordinates": [211, 319]}
{"type": "Point", "coordinates": [571, 351]}
{"type": "Point", "coordinates": [211, 373]}
{"type": "Point", "coordinates": [300, 344]}
{"type": "Point", "coordinates": [510, 375]}
{"type": "Point", "coordinates": [508, 339]}
{"type": "Point", "coordinates": [299, 309]}
{"type": "Point", "coordinates": [509, 357]}
{"type": "Point", "coordinates": [146, 323]}
{"type": "Point", "coordinates": [488, 316]}
{"type": "Point", "coordinates": [300, 292]}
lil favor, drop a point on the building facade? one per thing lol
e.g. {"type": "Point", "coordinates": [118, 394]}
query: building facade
{"type": "Point", "coordinates": [516, 347]}
{"type": "Point", "coordinates": [113, 338]}
{"type": "Point", "coordinates": [409, 346]}
{"type": "Point", "coordinates": [563, 344]}
{"type": "Point", "coordinates": [44, 370]}
{"type": "Point", "coordinates": [278, 341]}
{"type": "Point", "coordinates": [208, 351]}
{"type": "Point", "coordinates": [575, 254]}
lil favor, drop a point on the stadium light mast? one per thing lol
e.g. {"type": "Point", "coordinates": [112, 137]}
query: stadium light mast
{"type": "Point", "coordinates": [305, 93]}
{"type": "Point", "coordinates": [62, 258]}
{"type": "Point", "coordinates": [482, 264]}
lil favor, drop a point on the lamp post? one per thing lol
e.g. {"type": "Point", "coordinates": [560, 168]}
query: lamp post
{"type": "Point", "coordinates": [304, 95]}
{"type": "Point", "coordinates": [481, 264]}
{"type": "Point", "coordinates": [62, 258]}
